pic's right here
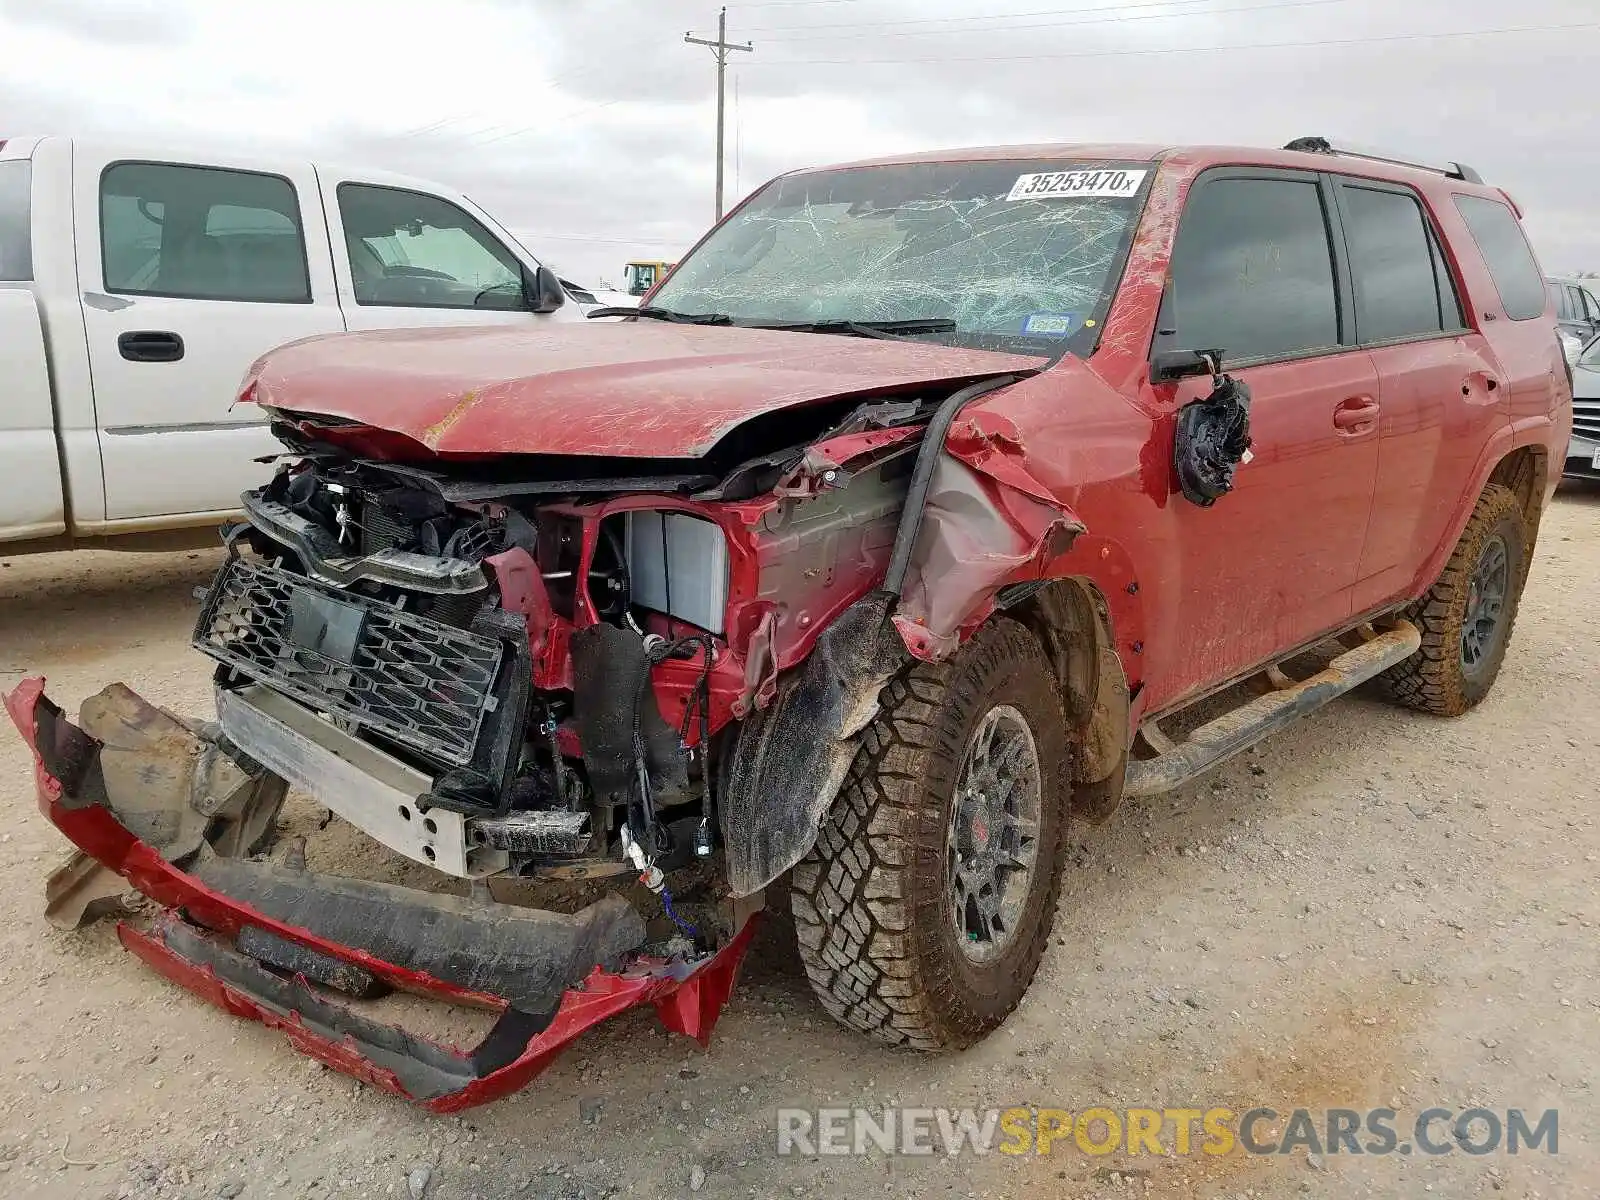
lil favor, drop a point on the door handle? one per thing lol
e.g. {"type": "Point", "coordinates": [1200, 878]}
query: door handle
{"type": "Point", "coordinates": [1356, 414]}
{"type": "Point", "coordinates": [150, 346]}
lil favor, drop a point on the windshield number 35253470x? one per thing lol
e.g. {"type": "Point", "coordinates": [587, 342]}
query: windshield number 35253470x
{"type": "Point", "coordinates": [1083, 184]}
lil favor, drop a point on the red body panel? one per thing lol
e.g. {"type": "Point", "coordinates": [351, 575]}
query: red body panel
{"type": "Point", "coordinates": [688, 1001]}
{"type": "Point", "coordinates": [1326, 524]}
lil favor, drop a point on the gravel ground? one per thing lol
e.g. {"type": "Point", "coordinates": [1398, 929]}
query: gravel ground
{"type": "Point", "coordinates": [1375, 908]}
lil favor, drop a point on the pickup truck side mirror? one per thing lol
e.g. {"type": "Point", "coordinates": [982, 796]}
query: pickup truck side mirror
{"type": "Point", "coordinates": [543, 291]}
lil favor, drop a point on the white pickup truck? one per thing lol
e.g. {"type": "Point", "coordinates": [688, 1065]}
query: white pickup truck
{"type": "Point", "coordinates": [137, 286]}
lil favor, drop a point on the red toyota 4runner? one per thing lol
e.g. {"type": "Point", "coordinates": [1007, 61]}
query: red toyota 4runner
{"type": "Point", "coordinates": [899, 528]}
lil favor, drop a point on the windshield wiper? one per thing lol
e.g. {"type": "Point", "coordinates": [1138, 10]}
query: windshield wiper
{"type": "Point", "coordinates": [892, 330]}
{"type": "Point", "coordinates": [663, 314]}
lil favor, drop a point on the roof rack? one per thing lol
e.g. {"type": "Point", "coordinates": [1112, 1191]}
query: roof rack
{"type": "Point", "coordinates": [1322, 145]}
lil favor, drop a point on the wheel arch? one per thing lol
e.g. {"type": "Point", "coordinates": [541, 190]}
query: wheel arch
{"type": "Point", "coordinates": [1520, 461]}
{"type": "Point", "coordinates": [1526, 471]}
{"type": "Point", "coordinates": [1072, 620]}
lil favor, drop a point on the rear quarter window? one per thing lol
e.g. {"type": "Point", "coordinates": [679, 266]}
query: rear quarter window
{"type": "Point", "coordinates": [1506, 252]}
{"type": "Point", "coordinates": [16, 249]}
{"type": "Point", "coordinates": [1401, 290]}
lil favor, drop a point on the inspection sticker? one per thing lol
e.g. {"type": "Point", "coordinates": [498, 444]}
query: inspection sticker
{"type": "Point", "coordinates": [1100, 185]}
{"type": "Point", "coordinates": [1051, 324]}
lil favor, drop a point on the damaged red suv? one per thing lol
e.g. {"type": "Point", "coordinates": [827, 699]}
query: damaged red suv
{"type": "Point", "coordinates": [902, 526]}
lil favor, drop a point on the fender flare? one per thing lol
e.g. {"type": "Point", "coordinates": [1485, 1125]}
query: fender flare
{"type": "Point", "coordinates": [1506, 441]}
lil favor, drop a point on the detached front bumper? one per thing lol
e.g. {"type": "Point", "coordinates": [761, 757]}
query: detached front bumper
{"type": "Point", "coordinates": [144, 792]}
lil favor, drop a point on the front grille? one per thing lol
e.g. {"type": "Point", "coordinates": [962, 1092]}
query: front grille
{"type": "Point", "coordinates": [1586, 418]}
{"type": "Point", "coordinates": [415, 681]}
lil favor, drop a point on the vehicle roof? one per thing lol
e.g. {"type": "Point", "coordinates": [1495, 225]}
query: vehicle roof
{"type": "Point", "coordinates": [1190, 155]}
{"type": "Point", "coordinates": [199, 153]}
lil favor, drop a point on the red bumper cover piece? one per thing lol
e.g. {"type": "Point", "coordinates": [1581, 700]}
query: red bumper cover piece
{"type": "Point", "coordinates": [688, 998]}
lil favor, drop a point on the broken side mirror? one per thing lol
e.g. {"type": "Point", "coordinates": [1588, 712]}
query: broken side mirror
{"type": "Point", "coordinates": [543, 291]}
{"type": "Point", "coordinates": [1168, 366]}
{"type": "Point", "coordinates": [1213, 435]}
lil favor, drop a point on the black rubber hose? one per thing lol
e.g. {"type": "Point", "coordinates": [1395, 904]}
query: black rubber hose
{"type": "Point", "coordinates": [905, 535]}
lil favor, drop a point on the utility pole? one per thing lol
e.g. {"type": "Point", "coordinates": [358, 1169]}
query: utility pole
{"type": "Point", "coordinates": [720, 49]}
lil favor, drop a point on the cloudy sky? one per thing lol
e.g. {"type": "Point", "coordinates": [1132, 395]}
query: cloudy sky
{"type": "Point", "coordinates": [586, 125]}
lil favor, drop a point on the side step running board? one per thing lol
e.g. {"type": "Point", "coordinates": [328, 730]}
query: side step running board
{"type": "Point", "coordinates": [1246, 725]}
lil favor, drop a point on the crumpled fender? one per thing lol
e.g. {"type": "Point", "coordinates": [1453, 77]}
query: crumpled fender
{"type": "Point", "coordinates": [987, 523]}
{"type": "Point", "coordinates": [195, 952]}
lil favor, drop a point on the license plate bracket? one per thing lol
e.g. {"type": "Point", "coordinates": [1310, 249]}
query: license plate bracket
{"type": "Point", "coordinates": [325, 626]}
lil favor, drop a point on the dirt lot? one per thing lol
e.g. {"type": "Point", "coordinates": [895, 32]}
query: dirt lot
{"type": "Point", "coordinates": [1375, 909]}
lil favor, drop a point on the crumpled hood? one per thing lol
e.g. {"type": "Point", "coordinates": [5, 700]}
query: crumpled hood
{"type": "Point", "coordinates": [635, 389]}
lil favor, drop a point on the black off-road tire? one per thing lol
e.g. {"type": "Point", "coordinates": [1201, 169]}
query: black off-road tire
{"type": "Point", "coordinates": [1434, 679]}
{"type": "Point", "coordinates": [871, 901]}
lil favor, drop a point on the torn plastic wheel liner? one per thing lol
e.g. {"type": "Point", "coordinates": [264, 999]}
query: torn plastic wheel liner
{"type": "Point", "coordinates": [253, 938]}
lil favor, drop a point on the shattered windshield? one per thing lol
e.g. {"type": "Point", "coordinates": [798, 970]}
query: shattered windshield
{"type": "Point", "coordinates": [1018, 255]}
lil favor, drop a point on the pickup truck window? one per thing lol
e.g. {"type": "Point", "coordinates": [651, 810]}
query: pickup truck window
{"type": "Point", "coordinates": [202, 233]}
{"type": "Point", "coordinates": [1506, 252]}
{"type": "Point", "coordinates": [412, 250]}
{"type": "Point", "coordinates": [1252, 270]}
{"type": "Point", "coordinates": [16, 253]}
{"type": "Point", "coordinates": [1399, 290]}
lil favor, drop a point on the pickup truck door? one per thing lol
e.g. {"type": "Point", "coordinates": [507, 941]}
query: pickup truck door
{"type": "Point", "coordinates": [188, 272]}
{"type": "Point", "coordinates": [31, 502]}
{"type": "Point", "coordinates": [1274, 562]}
{"type": "Point", "coordinates": [408, 255]}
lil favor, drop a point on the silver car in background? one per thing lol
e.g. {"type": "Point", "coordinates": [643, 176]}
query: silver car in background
{"type": "Point", "coordinates": [1583, 452]}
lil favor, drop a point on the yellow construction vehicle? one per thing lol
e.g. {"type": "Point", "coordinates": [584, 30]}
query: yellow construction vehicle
{"type": "Point", "coordinates": [640, 277]}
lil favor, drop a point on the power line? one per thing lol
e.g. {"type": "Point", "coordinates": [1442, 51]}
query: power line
{"type": "Point", "coordinates": [1049, 12]}
{"type": "Point", "coordinates": [792, 3]}
{"type": "Point", "coordinates": [1172, 50]}
{"type": "Point", "coordinates": [536, 236]}
{"type": "Point", "coordinates": [557, 81]}
{"type": "Point", "coordinates": [1117, 20]}
{"type": "Point", "coordinates": [738, 138]}
{"type": "Point", "coordinates": [558, 120]}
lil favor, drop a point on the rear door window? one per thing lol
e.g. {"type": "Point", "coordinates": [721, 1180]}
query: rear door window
{"type": "Point", "coordinates": [1401, 291]}
{"type": "Point", "coordinates": [1252, 270]}
{"type": "Point", "coordinates": [16, 246]}
{"type": "Point", "coordinates": [202, 233]}
{"type": "Point", "coordinates": [1506, 252]}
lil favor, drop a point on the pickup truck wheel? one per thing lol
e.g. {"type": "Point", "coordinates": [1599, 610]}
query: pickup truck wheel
{"type": "Point", "coordinates": [926, 903]}
{"type": "Point", "coordinates": [1466, 617]}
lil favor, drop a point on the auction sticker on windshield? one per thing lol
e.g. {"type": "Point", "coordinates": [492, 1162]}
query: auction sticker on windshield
{"type": "Point", "coordinates": [1049, 185]}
